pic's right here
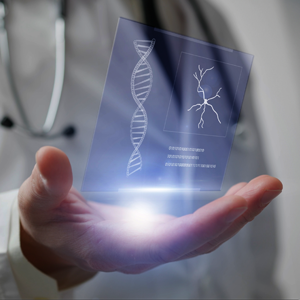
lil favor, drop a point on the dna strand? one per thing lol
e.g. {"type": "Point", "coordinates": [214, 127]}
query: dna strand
{"type": "Point", "coordinates": [141, 84]}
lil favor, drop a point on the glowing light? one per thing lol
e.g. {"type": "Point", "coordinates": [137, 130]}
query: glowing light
{"type": "Point", "coordinates": [141, 213]}
{"type": "Point", "coordinates": [141, 217]}
{"type": "Point", "coordinates": [159, 190]}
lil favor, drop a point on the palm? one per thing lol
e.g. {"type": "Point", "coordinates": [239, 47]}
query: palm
{"type": "Point", "coordinates": [117, 240]}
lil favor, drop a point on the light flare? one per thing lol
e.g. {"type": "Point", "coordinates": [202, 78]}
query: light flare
{"type": "Point", "coordinates": [141, 217]}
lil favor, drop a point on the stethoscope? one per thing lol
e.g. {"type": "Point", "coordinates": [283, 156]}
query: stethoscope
{"type": "Point", "coordinates": [151, 18]}
{"type": "Point", "coordinates": [26, 128]}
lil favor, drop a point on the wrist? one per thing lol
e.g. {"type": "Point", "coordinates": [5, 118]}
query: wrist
{"type": "Point", "coordinates": [39, 255]}
{"type": "Point", "coordinates": [45, 260]}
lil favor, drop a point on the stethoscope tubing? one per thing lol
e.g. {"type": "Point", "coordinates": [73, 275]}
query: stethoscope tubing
{"type": "Point", "coordinates": [148, 7]}
{"type": "Point", "coordinates": [58, 77]}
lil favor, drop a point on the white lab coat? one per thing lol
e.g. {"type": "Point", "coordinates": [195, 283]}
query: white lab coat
{"type": "Point", "coordinates": [241, 268]}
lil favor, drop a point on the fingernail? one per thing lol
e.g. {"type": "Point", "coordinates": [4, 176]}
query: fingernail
{"type": "Point", "coordinates": [235, 213]}
{"type": "Point", "coordinates": [268, 196]}
{"type": "Point", "coordinates": [43, 179]}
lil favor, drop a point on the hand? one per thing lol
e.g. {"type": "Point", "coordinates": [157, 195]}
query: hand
{"type": "Point", "coordinates": [60, 229]}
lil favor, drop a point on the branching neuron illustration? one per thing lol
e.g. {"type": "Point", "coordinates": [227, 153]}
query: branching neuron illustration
{"type": "Point", "coordinates": [141, 84]}
{"type": "Point", "coordinates": [205, 103]}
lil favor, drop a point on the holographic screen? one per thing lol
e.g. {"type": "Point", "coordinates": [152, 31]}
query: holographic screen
{"type": "Point", "coordinates": [168, 114]}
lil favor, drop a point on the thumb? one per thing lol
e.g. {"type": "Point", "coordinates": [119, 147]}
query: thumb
{"type": "Point", "coordinates": [49, 183]}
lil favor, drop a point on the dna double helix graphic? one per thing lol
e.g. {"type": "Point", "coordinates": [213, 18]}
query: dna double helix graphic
{"type": "Point", "coordinates": [141, 84]}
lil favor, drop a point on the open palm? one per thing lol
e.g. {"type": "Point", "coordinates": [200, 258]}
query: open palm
{"type": "Point", "coordinates": [56, 219]}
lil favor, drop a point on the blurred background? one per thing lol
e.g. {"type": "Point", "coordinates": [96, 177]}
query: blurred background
{"type": "Point", "coordinates": [269, 30]}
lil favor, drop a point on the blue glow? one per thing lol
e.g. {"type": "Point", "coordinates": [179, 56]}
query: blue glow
{"type": "Point", "coordinates": [166, 127]}
{"type": "Point", "coordinates": [158, 190]}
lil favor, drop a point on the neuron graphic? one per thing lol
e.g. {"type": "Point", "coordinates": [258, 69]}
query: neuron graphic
{"type": "Point", "coordinates": [141, 84]}
{"type": "Point", "coordinates": [205, 103]}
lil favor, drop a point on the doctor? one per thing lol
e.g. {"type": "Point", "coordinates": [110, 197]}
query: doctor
{"type": "Point", "coordinates": [53, 239]}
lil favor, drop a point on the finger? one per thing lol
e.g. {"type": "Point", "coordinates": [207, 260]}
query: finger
{"type": "Point", "coordinates": [77, 194]}
{"type": "Point", "coordinates": [258, 193]}
{"type": "Point", "coordinates": [151, 243]}
{"type": "Point", "coordinates": [234, 189]}
{"type": "Point", "coordinates": [137, 269]}
{"type": "Point", "coordinates": [262, 186]}
{"type": "Point", "coordinates": [49, 183]}
{"type": "Point", "coordinates": [188, 233]}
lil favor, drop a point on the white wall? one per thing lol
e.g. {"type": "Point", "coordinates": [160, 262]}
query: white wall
{"type": "Point", "coordinates": [270, 29]}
